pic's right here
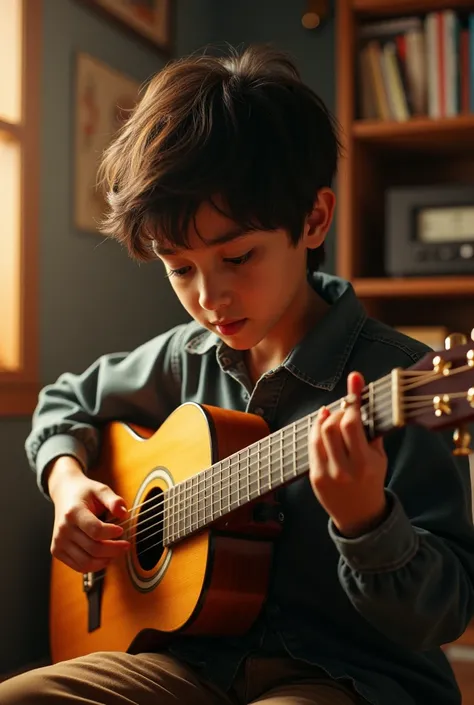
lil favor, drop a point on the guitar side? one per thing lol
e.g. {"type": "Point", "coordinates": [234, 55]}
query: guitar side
{"type": "Point", "coordinates": [213, 582]}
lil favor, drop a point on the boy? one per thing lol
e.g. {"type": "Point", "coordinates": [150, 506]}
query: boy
{"type": "Point", "coordinates": [224, 172]}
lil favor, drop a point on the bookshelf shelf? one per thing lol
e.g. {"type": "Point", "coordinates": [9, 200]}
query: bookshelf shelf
{"type": "Point", "coordinates": [423, 132]}
{"type": "Point", "coordinates": [385, 287]}
{"type": "Point", "coordinates": [388, 8]}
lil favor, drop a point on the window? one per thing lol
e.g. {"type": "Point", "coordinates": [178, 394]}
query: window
{"type": "Point", "coordinates": [20, 23]}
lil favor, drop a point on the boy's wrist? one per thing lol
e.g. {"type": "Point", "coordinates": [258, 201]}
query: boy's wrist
{"type": "Point", "coordinates": [58, 469]}
{"type": "Point", "coordinates": [364, 525]}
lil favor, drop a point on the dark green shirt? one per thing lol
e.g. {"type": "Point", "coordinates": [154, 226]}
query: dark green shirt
{"type": "Point", "coordinates": [374, 609]}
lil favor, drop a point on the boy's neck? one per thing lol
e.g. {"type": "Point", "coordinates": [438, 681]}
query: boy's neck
{"type": "Point", "coordinates": [299, 319]}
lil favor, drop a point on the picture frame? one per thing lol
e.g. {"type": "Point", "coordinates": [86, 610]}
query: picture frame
{"type": "Point", "coordinates": [152, 21]}
{"type": "Point", "coordinates": [104, 98]}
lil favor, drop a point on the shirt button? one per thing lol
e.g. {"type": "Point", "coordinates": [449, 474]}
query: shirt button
{"type": "Point", "coordinates": [259, 411]}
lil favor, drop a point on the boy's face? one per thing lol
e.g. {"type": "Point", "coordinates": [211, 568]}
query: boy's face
{"type": "Point", "coordinates": [240, 286]}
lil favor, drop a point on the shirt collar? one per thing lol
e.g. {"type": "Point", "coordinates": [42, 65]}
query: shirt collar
{"type": "Point", "coordinates": [319, 359]}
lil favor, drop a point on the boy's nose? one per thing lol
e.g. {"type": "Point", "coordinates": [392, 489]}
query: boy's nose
{"type": "Point", "coordinates": [213, 296]}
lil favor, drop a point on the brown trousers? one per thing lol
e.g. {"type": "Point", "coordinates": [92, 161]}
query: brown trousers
{"type": "Point", "coordinates": [158, 679]}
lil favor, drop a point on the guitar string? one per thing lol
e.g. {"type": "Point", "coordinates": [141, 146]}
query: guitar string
{"type": "Point", "coordinates": [415, 403]}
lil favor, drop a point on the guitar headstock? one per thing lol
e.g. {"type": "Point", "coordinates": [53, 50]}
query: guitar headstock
{"type": "Point", "coordinates": [438, 391]}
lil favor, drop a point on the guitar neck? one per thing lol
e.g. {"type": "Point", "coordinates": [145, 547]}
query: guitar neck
{"type": "Point", "coordinates": [265, 465]}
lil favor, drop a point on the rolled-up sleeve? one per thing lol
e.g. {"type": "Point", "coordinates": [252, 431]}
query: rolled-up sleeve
{"type": "Point", "coordinates": [140, 387]}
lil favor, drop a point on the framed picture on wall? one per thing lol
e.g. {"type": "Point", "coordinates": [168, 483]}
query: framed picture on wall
{"type": "Point", "coordinates": [104, 98]}
{"type": "Point", "coordinates": [150, 20]}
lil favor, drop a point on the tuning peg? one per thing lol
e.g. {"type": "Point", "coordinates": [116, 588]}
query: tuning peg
{"type": "Point", "coordinates": [462, 439]}
{"type": "Point", "coordinates": [442, 405]}
{"type": "Point", "coordinates": [455, 339]}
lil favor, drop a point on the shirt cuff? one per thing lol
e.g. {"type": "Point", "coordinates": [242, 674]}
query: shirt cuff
{"type": "Point", "coordinates": [388, 547]}
{"type": "Point", "coordinates": [54, 447]}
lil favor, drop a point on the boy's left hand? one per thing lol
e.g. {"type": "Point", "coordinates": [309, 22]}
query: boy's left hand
{"type": "Point", "coordinates": [347, 472]}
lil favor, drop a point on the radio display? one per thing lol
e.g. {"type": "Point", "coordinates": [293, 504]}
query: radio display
{"type": "Point", "coordinates": [445, 224]}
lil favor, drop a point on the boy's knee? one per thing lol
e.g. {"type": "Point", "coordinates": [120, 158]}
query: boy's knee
{"type": "Point", "coordinates": [29, 688]}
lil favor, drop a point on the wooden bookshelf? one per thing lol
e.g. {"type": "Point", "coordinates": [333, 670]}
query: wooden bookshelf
{"type": "Point", "coordinates": [380, 154]}
{"type": "Point", "coordinates": [418, 134]}
{"type": "Point", "coordinates": [389, 8]}
{"type": "Point", "coordinates": [413, 287]}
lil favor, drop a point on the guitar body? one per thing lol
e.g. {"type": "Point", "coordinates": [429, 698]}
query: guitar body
{"type": "Point", "coordinates": [212, 582]}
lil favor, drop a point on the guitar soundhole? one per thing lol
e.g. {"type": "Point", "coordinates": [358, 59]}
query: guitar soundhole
{"type": "Point", "coordinates": [149, 541]}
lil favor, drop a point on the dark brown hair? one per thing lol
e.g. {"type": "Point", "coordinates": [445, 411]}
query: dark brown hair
{"type": "Point", "coordinates": [242, 127]}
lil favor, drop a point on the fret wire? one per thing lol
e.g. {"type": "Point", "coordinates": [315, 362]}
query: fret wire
{"type": "Point", "coordinates": [192, 505]}
{"type": "Point", "coordinates": [179, 489]}
{"type": "Point", "coordinates": [188, 514]}
{"type": "Point", "coordinates": [269, 477]}
{"type": "Point", "coordinates": [170, 498]}
{"type": "Point", "coordinates": [206, 476]}
{"type": "Point", "coordinates": [176, 515]}
{"type": "Point", "coordinates": [238, 487]}
{"type": "Point", "coordinates": [202, 506]}
{"type": "Point", "coordinates": [248, 474]}
{"type": "Point", "coordinates": [175, 512]}
{"type": "Point", "coordinates": [259, 464]}
{"type": "Point", "coordinates": [196, 504]}
{"type": "Point", "coordinates": [220, 489]}
{"type": "Point", "coordinates": [166, 498]}
{"type": "Point", "coordinates": [215, 496]}
{"type": "Point", "coordinates": [226, 478]}
{"type": "Point", "coordinates": [270, 460]}
{"type": "Point", "coordinates": [166, 504]}
{"type": "Point", "coordinates": [295, 452]}
{"type": "Point", "coordinates": [281, 457]}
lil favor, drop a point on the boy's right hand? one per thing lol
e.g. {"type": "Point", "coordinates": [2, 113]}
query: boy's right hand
{"type": "Point", "coordinates": [80, 539]}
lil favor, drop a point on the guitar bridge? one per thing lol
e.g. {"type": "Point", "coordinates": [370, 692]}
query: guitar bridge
{"type": "Point", "coordinates": [92, 585]}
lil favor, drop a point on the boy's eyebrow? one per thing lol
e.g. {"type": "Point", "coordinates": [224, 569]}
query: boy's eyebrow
{"type": "Point", "coordinates": [219, 240]}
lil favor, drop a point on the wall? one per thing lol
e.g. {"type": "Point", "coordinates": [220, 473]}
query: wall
{"type": "Point", "coordinates": [93, 299]}
{"type": "Point", "coordinates": [279, 22]}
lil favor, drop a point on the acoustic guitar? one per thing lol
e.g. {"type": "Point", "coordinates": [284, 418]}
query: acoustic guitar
{"type": "Point", "coordinates": [203, 516]}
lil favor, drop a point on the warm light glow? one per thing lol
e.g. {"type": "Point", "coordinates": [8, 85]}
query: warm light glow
{"type": "Point", "coordinates": [310, 20]}
{"type": "Point", "coordinates": [10, 212]}
{"type": "Point", "coordinates": [10, 60]}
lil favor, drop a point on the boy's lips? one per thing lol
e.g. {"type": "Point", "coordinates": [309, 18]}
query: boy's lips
{"type": "Point", "coordinates": [229, 327]}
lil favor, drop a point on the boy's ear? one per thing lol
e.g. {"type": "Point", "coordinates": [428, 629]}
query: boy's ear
{"type": "Point", "coordinates": [317, 223]}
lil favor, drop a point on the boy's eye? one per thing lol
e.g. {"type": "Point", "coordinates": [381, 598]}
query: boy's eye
{"type": "Point", "coordinates": [240, 260]}
{"type": "Point", "coordinates": [180, 272]}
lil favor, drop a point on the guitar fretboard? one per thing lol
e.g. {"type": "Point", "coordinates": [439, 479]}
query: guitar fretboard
{"type": "Point", "coordinates": [260, 468]}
